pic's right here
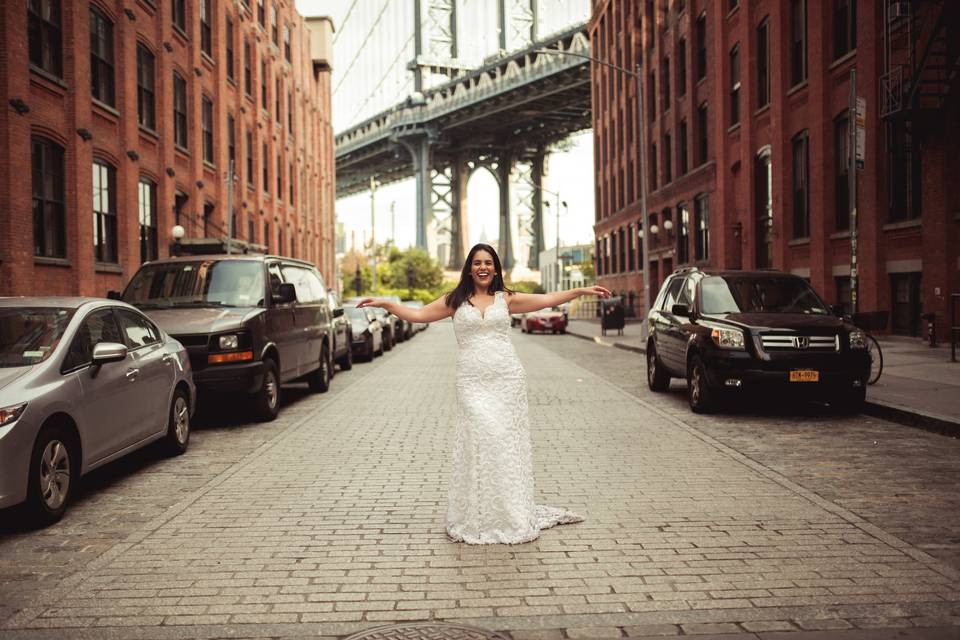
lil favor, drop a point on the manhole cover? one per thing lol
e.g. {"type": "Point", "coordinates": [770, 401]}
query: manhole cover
{"type": "Point", "coordinates": [427, 631]}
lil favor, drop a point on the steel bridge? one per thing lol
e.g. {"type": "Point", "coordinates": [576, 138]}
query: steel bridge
{"type": "Point", "coordinates": [503, 116]}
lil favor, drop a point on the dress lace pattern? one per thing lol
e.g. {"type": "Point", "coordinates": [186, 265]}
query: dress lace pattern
{"type": "Point", "coordinates": [491, 483]}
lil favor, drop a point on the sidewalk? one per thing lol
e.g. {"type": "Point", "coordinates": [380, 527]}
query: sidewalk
{"type": "Point", "coordinates": [919, 386]}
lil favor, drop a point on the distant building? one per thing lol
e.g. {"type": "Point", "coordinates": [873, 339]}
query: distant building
{"type": "Point", "coordinates": [572, 276]}
{"type": "Point", "coordinates": [121, 120]}
{"type": "Point", "coordinates": [747, 131]}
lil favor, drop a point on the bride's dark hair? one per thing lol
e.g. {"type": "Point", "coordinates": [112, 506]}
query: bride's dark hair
{"type": "Point", "coordinates": [465, 287]}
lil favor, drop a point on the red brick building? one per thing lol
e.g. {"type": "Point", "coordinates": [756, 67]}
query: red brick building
{"type": "Point", "coordinates": [747, 130]}
{"type": "Point", "coordinates": [156, 100]}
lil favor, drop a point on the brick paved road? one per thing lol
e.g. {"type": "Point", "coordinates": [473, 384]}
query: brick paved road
{"type": "Point", "coordinates": [331, 520]}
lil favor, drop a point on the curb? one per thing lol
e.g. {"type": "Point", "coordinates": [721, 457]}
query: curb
{"type": "Point", "coordinates": [899, 414]}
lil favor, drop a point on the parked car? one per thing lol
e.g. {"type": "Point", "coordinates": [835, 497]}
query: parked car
{"type": "Point", "coordinates": [551, 320]}
{"type": "Point", "coordinates": [415, 327]}
{"type": "Point", "coordinates": [388, 325]}
{"type": "Point", "coordinates": [83, 381]}
{"type": "Point", "coordinates": [367, 332]}
{"type": "Point", "coordinates": [249, 322]}
{"type": "Point", "coordinates": [402, 329]}
{"type": "Point", "coordinates": [758, 334]}
{"type": "Point", "coordinates": [342, 333]}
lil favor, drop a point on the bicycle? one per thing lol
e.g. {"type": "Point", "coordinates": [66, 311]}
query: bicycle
{"type": "Point", "coordinates": [876, 359]}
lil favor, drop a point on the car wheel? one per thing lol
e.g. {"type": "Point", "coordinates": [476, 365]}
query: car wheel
{"type": "Point", "coordinates": [850, 403]}
{"type": "Point", "coordinates": [54, 469]}
{"type": "Point", "coordinates": [657, 377]}
{"type": "Point", "coordinates": [701, 397]}
{"type": "Point", "coordinates": [346, 360]}
{"type": "Point", "coordinates": [319, 380]}
{"type": "Point", "coordinates": [178, 429]}
{"type": "Point", "coordinates": [267, 398]}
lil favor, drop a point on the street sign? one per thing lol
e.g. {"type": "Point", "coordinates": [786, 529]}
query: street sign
{"type": "Point", "coordinates": [861, 120]}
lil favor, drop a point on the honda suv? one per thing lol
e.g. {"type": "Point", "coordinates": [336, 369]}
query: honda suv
{"type": "Point", "coordinates": [249, 322]}
{"type": "Point", "coordinates": [753, 332]}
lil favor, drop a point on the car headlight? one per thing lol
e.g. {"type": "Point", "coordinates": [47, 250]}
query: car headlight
{"type": "Point", "coordinates": [9, 415]}
{"type": "Point", "coordinates": [858, 339]}
{"type": "Point", "coordinates": [229, 342]}
{"type": "Point", "coordinates": [727, 338]}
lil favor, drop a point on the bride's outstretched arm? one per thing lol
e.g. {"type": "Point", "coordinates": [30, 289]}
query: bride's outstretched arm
{"type": "Point", "coordinates": [530, 302]}
{"type": "Point", "coordinates": [436, 310]}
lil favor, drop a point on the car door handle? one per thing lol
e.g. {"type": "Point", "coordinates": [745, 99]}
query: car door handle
{"type": "Point", "coordinates": [132, 374]}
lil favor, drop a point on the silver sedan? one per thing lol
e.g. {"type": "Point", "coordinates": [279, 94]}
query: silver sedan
{"type": "Point", "coordinates": [83, 381]}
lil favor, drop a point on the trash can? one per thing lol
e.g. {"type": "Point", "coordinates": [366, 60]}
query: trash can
{"type": "Point", "coordinates": [611, 315]}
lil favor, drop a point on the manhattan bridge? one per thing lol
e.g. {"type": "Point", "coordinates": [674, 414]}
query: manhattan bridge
{"type": "Point", "coordinates": [444, 88]}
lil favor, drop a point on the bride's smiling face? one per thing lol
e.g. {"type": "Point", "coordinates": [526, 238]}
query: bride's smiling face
{"type": "Point", "coordinates": [482, 269]}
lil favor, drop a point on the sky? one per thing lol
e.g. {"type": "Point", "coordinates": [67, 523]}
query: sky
{"type": "Point", "coordinates": [358, 95]}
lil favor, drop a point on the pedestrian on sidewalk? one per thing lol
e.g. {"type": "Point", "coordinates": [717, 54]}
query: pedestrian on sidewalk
{"type": "Point", "coordinates": [490, 498]}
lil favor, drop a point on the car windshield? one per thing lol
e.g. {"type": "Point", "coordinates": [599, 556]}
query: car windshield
{"type": "Point", "coordinates": [751, 294]}
{"type": "Point", "coordinates": [221, 283]}
{"type": "Point", "coordinates": [355, 314]}
{"type": "Point", "coordinates": [29, 335]}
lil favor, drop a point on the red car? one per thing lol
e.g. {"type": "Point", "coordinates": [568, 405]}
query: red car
{"type": "Point", "coordinates": [551, 320]}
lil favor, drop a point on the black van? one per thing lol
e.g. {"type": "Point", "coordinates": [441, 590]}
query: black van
{"type": "Point", "coordinates": [249, 322]}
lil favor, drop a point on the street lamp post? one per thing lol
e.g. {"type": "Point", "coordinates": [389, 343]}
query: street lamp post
{"type": "Point", "coordinates": [373, 229]}
{"type": "Point", "coordinates": [638, 78]}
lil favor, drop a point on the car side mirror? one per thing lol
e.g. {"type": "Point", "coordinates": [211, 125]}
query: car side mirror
{"type": "Point", "coordinates": [106, 352]}
{"type": "Point", "coordinates": [286, 294]}
{"type": "Point", "coordinates": [680, 310]}
{"type": "Point", "coordinates": [114, 295]}
{"type": "Point", "coordinates": [338, 312]}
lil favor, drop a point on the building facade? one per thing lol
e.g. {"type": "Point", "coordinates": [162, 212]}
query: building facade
{"type": "Point", "coordinates": [748, 146]}
{"type": "Point", "coordinates": [572, 276]}
{"type": "Point", "coordinates": [122, 120]}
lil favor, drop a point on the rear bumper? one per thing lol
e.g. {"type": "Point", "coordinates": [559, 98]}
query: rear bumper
{"type": "Point", "coordinates": [246, 378]}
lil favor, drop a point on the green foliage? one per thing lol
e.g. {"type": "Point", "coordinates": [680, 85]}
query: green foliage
{"type": "Point", "coordinates": [526, 286]}
{"type": "Point", "coordinates": [426, 272]}
{"type": "Point", "coordinates": [392, 274]}
{"type": "Point", "coordinates": [587, 269]}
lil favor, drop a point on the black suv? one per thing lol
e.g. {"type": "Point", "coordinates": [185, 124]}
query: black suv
{"type": "Point", "coordinates": [249, 322]}
{"type": "Point", "coordinates": [756, 332]}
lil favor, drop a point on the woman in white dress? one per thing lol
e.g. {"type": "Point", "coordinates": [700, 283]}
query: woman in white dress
{"type": "Point", "coordinates": [491, 481]}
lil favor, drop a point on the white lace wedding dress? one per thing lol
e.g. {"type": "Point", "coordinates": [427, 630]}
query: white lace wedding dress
{"type": "Point", "coordinates": [491, 482]}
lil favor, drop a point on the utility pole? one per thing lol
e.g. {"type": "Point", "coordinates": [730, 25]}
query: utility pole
{"type": "Point", "coordinates": [638, 76]}
{"type": "Point", "coordinates": [373, 227]}
{"type": "Point", "coordinates": [393, 222]}
{"type": "Point", "coordinates": [852, 188]}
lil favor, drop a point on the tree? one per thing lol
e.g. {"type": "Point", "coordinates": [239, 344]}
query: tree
{"type": "Point", "coordinates": [425, 271]}
{"type": "Point", "coordinates": [348, 267]}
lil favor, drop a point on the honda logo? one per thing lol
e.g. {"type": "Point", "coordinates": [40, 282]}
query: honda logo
{"type": "Point", "coordinates": [801, 342]}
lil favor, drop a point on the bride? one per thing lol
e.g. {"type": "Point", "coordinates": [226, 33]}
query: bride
{"type": "Point", "coordinates": [491, 482]}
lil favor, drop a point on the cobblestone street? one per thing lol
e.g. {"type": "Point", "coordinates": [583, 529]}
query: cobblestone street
{"type": "Point", "coordinates": [331, 519]}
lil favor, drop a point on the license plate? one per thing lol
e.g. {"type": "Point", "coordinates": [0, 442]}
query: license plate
{"type": "Point", "coordinates": [804, 375]}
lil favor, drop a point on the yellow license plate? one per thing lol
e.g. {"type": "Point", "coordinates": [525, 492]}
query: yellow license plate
{"type": "Point", "coordinates": [804, 375]}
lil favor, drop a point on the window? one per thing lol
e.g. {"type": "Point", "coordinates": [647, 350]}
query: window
{"type": "Point", "coordinates": [276, 99]}
{"type": "Point", "coordinates": [667, 158]}
{"type": "Point", "coordinates": [179, 111]}
{"type": "Point", "coordinates": [632, 255]}
{"type": "Point", "coordinates": [279, 178]}
{"type": "Point", "coordinates": [207, 130]}
{"type": "Point", "coordinates": [904, 179]}
{"type": "Point", "coordinates": [287, 49]}
{"type": "Point", "coordinates": [266, 236]}
{"type": "Point", "coordinates": [798, 41]}
{"type": "Point", "coordinates": [279, 240]}
{"type": "Point", "coordinates": [136, 329]}
{"type": "Point", "coordinates": [621, 250]}
{"type": "Point", "coordinates": [146, 107]}
{"type": "Point", "coordinates": [45, 35]}
{"type": "Point", "coordinates": [652, 97]}
{"type": "Point", "coordinates": [147, 201]}
{"type": "Point", "coordinates": [229, 38]}
{"type": "Point", "coordinates": [682, 150]}
{"type": "Point", "coordinates": [247, 71]}
{"type": "Point", "coordinates": [261, 13]}
{"type": "Point", "coordinates": [290, 180]}
{"type": "Point", "coordinates": [49, 220]}
{"type": "Point", "coordinates": [735, 85]}
{"type": "Point", "coordinates": [763, 63]}
{"type": "Point", "coordinates": [702, 134]}
{"type": "Point", "coordinates": [179, 17]}
{"type": "Point", "coordinates": [682, 67]}
{"type": "Point", "coordinates": [702, 46]}
{"type": "Point", "coordinates": [841, 159]}
{"type": "Point", "coordinates": [844, 27]}
{"type": "Point", "coordinates": [231, 146]}
{"type": "Point", "coordinates": [701, 228]}
{"type": "Point", "coordinates": [250, 230]}
{"type": "Point", "coordinates": [208, 218]}
{"type": "Point", "coordinates": [763, 208]}
{"type": "Point", "coordinates": [101, 57]}
{"type": "Point", "coordinates": [275, 25]}
{"type": "Point", "coordinates": [104, 213]}
{"type": "Point", "coordinates": [683, 233]}
{"type": "Point", "coordinates": [653, 167]}
{"type": "Point", "coordinates": [99, 326]}
{"type": "Point", "coordinates": [266, 170]}
{"type": "Point", "coordinates": [665, 83]}
{"type": "Point", "coordinates": [206, 34]}
{"type": "Point", "coordinates": [801, 186]}
{"type": "Point", "coordinates": [263, 84]}
{"type": "Point", "coordinates": [249, 158]}
{"type": "Point", "coordinates": [290, 111]}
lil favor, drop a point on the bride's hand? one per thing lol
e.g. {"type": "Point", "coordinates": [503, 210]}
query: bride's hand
{"type": "Point", "coordinates": [600, 292]}
{"type": "Point", "coordinates": [367, 302]}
